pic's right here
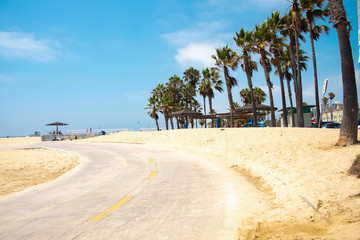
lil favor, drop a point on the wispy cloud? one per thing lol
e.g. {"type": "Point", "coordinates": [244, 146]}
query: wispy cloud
{"type": "Point", "coordinates": [245, 5]}
{"type": "Point", "coordinates": [26, 46]}
{"type": "Point", "coordinates": [196, 44]}
{"type": "Point", "coordinates": [7, 79]}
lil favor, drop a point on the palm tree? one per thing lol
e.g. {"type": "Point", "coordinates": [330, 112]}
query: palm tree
{"type": "Point", "coordinates": [289, 30]}
{"type": "Point", "coordinates": [245, 96]}
{"type": "Point", "coordinates": [226, 58]}
{"type": "Point", "coordinates": [313, 10]}
{"type": "Point", "coordinates": [259, 95]}
{"type": "Point", "coordinates": [296, 18]}
{"type": "Point", "coordinates": [153, 107]}
{"type": "Point", "coordinates": [174, 87]}
{"type": "Point", "coordinates": [262, 41]}
{"type": "Point", "coordinates": [203, 90]}
{"type": "Point", "coordinates": [286, 64]}
{"type": "Point", "coordinates": [348, 130]}
{"type": "Point", "coordinates": [212, 75]}
{"type": "Point", "coordinates": [276, 47]}
{"type": "Point", "coordinates": [245, 40]}
{"type": "Point", "coordinates": [331, 97]}
{"type": "Point", "coordinates": [192, 76]}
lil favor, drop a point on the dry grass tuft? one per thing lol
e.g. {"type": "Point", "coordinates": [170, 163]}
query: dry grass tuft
{"type": "Point", "coordinates": [355, 168]}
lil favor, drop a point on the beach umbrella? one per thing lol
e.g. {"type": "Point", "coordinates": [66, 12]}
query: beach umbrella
{"type": "Point", "coordinates": [57, 124]}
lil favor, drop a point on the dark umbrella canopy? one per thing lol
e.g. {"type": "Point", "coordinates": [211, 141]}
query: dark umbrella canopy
{"type": "Point", "coordinates": [248, 108]}
{"type": "Point", "coordinates": [57, 124]}
{"type": "Point", "coordinates": [185, 112]}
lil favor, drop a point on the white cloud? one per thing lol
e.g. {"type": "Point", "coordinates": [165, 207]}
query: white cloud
{"type": "Point", "coordinates": [196, 54]}
{"type": "Point", "coordinates": [196, 44]}
{"type": "Point", "coordinates": [25, 45]}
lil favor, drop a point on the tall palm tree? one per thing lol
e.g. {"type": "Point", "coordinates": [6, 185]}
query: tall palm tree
{"type": "Point", "coordinates": [203, 89]}
{"type": "Point", "coordinates": [348, 131]}
{"type": "Point", "coordinates": [289, 31]}
{"type": "Point", "coordinates": [314, 10]}
{"type": "Point", "coordinates": [192, 76]}
{"type": "Point", "coordinates": [276, 47]}
{"type": "Point", "coordinates": [174, 87]}
{"type": "Point", "coordinates": [296, 16]}
{"type": "Point", "coordinates": [226, 58]}
{"type": "Point", "coordinates": [245, 40]}
{"type": "Point", "coordinates": [262, 42]}
{"type": "Point", "coordinates": [212, 75]}
{"type": "Point", "coordinates": [153, 107]}
{"type": "Point", "coordinates": [331, 97]}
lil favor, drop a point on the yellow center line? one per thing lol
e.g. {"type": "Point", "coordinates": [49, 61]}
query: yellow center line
{"type": "Point", "coordinates": [126, 198]}
{"type": "Point", "coordinates": [111, 209]}
{"type": "Point", "coordinates": [152, 175]}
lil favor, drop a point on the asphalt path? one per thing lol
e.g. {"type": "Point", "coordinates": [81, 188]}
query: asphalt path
{"type": "Point", "coordinates": [124, 191]}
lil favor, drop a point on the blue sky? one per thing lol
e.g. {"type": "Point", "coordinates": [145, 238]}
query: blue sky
{"type": "Point", "coordinates": [94, 63]}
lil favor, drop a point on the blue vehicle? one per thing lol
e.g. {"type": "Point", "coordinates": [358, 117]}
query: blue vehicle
{"type": "Point", "coordinates": [250, 124]}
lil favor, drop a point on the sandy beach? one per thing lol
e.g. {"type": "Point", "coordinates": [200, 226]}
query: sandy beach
{"type": "Point", "coordinates": [301, 174]}
{"type": "Point", "coordinates": [26, 167]}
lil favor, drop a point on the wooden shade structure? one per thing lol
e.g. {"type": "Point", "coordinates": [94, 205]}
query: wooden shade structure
{"type": "Point", "coordinates": [248, 108]}
{"type": "Point", "coordinates": [57, 124]}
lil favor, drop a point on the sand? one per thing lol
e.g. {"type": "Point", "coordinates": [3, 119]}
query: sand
{"type": "Point", "coordinates": [27, 167]}
{"type": "Point", "coordinates": [301, 174]}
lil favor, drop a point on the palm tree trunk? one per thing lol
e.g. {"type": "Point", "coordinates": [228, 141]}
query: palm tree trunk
{"type": "Point", "coordinates": [204, 109]}
{"type": "Point", "coordinates": [291, 103]}
{"type": "Point", "coordinates": [172, 123]}
{"type": "Point", "coordinates": [281, 77]}
{"type": "Point", "coordinates": [317, 101]}
{"type": "Point", "coordinates": [348, 130]}
{"type": "Point", "coordinates": [228, 88]}
{"type": "Point", "coordinates": [295, 78]}
{"type": "Point", "coordinates": [269, 84]}
{"type": "Point", "coordinates": [299, 102]}
{"type": "Point", "coordinates": [252, 100]}
{"type": "Point", "coordinates": [210, 107]}
{"type": "Point", "coordinates": [157, 124]}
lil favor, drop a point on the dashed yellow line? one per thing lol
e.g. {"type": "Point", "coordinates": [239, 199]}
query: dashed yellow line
{"type": "Point", "coordinates": [152, 175]}
{"type": "Point", "coordinates": [126, 198]}
{"type": "Point", "coordinates": [111, 209]}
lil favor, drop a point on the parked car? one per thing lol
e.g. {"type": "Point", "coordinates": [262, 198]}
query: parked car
{"type": "Point", "coordinates": [315, 125]}
{"type": "Point", "coordinates": [332, 125]}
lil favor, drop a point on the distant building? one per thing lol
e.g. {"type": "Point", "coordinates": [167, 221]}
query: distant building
{"type": "Point", "coordinates": [307, 116]}
{"type": "Point", "coordinates": [336, 110]}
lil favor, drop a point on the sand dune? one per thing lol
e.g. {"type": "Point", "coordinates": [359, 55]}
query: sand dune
{"type": "Point", "coordinates": [26, 167]}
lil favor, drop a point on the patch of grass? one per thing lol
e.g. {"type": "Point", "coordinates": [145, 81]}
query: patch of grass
{"type": "Point", "coordinates": [355, 168]}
